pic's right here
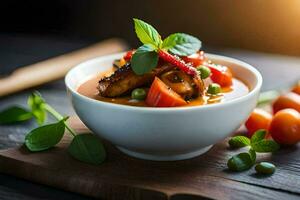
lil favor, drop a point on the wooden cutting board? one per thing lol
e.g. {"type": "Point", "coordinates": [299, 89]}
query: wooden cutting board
{"type": "Point", "coordinates": [123, 177]}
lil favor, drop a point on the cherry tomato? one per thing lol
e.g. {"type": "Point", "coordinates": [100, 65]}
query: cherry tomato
{"type": "Point", "coordinates": [221, 75]}
{"type": "Point", "coordinates": [285, 127]}
{"type": "Point", "coordinates": [259, 119]}
{"type": "Point", "coordinates": [288, 100]}
{"type": "Point", "coordinates": [296, 88]}
{"type": "Point", "coordinates": [196, 59]}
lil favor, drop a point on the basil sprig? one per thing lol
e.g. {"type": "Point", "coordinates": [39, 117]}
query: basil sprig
{"type": "Point", "coordinates": [146, 58]}
{"type": "Point", "coordinates": [14, 114]}
{"type": "Point", "coordinates": [257, 143]}
{"type": "Point", "coordinates": [146, 33]}
{"type": "Point", "coordinates": [36, 104]}
{"type": "Point", "coordinates": [181, 44]}
{"type": "Point", "coordinates": [87, 148]}
{"type": "Point", "coordinates": [45, 137]}
{"type": "Point", "coordinates": [84, 147]}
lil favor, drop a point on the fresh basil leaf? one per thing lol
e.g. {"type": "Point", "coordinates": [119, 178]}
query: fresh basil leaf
{"type": "Point", "coordinates": [252, 154]}
{"type": "Point", "coordinates": [87, 148]}
{"type": "Point", "coordinates": [36, 103]}
{"type": "Point", "coordinates": [45, 137]}
{"type": "Point", "coordinates": [265, 146]}
{"type": "Point", "coordinates": [14, 114]}
{"type": "Point", "coordinates": [240, 162]}
{"type": "Point", "coordinates": [239, 141]}
{"type": "Point", "coordinates": [144, 60]}
{"type": "Point", "coordinates": [258, 135]}
{"type": "Point", "coordinates": [181, 44]}
{"type": "Point", "coordinates": [147, 33]}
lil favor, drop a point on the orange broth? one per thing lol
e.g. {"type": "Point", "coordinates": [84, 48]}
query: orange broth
{"type": "Point", "coordinates": [89, 89]}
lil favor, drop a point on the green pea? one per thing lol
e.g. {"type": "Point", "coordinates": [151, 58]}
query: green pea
{"type": "Point", "coordinates": [265, 168]}
{"type": "Point", "coordinates": [138, 94]}
{"type": "Point", "coordinates": [204, 71]}
{"type": "Point", "coordinates": [214, 89]}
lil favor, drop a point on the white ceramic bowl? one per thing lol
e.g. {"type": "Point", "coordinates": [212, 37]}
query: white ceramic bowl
{"type": "Point", "coordinates": [163, 134]}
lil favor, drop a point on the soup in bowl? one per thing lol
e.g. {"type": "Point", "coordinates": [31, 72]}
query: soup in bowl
{"type": "Point", "coordinates": [175, 114]}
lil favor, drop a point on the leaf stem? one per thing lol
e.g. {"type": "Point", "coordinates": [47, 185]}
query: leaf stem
{"type": "Point", "coordinates": [58, 116]}
{"type": "Point", "coordinates": [267, 97]}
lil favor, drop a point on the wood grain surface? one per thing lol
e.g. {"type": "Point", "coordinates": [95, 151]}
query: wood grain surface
{"type": "Point", "coordinates": [123, 177]}
{"type": "Point", "coordinates": [278, 72]}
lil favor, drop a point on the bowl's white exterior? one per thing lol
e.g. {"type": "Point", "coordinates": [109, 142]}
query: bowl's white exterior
{"type": "Point", "coordinates": [162, 133]}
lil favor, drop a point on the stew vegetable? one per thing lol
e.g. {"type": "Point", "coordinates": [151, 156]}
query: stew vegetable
{"type": "Point", "coordinates": [166, 72]}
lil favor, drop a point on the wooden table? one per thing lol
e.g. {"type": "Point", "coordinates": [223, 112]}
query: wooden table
{"type": "Point", "coordinates": [278, 71]}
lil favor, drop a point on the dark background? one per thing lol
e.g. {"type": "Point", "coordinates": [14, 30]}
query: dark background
{"type": "Point", "coordinates": [31, 31]}
{"type": "Point", "coordinates": [268, 26]}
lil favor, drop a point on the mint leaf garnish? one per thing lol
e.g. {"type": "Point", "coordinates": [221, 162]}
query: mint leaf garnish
{"type": "Point", "coordinates": [14, 114]}
{"type": "Point", "coordinates": [239, 141]}
{"type": "Point", "coordinates": [258, 144]}
{"type": "Point", "coordinates": [264, 146]}
{"type": "Point", "coordinates": [36, 103]}
{"type": "Point", "coordinates": [240, 162]}
{"type": "Point", "coordinates": [45, 137]}
{"type": "Point", "coordinates": [147, 33]}
{"type": "Point", "coordinates": [181, 44]}
{"type": "Point", "coordinates": [144, 60]}
{"type": "Point", "coordinates": [87, 148]}
{"type": "Point", "coordinates": [252, 154]}
{"type": "Point", "coordinates": [258, 135]}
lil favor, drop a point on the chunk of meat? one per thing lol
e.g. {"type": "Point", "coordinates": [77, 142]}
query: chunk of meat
{"type": "Point", "coordinates": [183, 84]}
{"type": "Point", "coordinates": [124, 80]}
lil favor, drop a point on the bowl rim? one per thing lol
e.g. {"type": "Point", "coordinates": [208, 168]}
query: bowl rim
{"type": "Point", "coordinates": [240, 63]}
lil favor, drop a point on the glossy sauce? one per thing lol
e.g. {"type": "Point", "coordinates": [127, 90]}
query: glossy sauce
{"type": "Point", "coordinates": [89, 88]}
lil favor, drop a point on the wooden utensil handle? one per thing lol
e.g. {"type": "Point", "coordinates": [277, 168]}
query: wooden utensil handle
{"type": "Point", "coordinates": [56, 68]}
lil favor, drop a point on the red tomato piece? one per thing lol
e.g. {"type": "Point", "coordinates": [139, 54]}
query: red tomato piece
{"type": "Point", "coordinates": [195, 59]}
{"type": "Point", "coordinates": [259, 119]}
{"type": "Point", "coordinates": [221, 75]}
{"type": "Point", "coordinates": [285, 127]}
{"type": "Point", "coordinates": [160, 95]}
{"type": "Point", "coordinates": [128, 55]}
{"type": "Point", "coordinates": [177, 62]}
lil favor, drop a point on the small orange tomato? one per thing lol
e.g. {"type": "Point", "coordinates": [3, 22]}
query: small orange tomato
{"type": "Point", "coordinates": [296, 88]}
{"type": "Point", "coordinates": [288, 100]}
{"type": "Point", "coordinates": [285, 127]}
{"type": "Point", "coordinates": [259, 119]}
